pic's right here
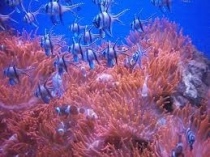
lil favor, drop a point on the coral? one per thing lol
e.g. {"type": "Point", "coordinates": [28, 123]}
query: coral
{"type": "Point", "coordinates": [130, 109]}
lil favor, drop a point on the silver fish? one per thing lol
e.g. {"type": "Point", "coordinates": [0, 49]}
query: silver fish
{"type": "Point", "coordinates": [55, 10]}
{"type": "Point", "coordinates": [136, 59]}
{"type": "Point", "coordinates": [88, 36]}
{"type": "Point", "coordinates": [46, 44]}
{"type": "Point", "coordinates": [76, 28]}
{"type": "Point", "coordinates": [30, 17]}
{"type": "Point", "coordinates": [76, 48]}
{"type": "Point", "coordinates": [91, 56]}
{"type": "Point", "coordinates": [137, 23]}
{"type": "Point", "coordinates": [61, 64]}
{"type": "Point", "coordinates": [104, 20]}
{"type": "Point", "coordinates": [43, 92]}
{"type": "Point", "coordinates": [13, 73]}
{"type": "Point", "coordinates": [57, 85]}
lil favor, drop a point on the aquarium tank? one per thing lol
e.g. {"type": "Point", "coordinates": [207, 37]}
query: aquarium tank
{"type": "Point", "coordinates": [104, 78]}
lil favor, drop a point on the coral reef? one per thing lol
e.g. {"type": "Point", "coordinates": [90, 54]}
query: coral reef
{"type": "Point", "coordinates": [140, 107]}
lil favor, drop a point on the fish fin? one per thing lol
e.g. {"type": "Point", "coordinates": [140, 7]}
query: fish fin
{"type": "Point", "coordinates": [91, 64]}
{"type": "Point", "coordinates": [46, 99]}
{"type": "Point", "coordinates": [71, 7]}
{"type": "Point", "coordinates": [13, 82]}
{"type": "Point", "coordinates": [116, 17]}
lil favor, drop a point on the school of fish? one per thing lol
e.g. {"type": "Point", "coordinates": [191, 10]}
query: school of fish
{"type": "Point", "coordinates": [82, 48]}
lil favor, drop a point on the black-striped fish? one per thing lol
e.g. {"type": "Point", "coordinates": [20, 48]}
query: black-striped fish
{"type": "Point", "coordinates": [104, 20]}
{"type": "Point", "coordinates": [190, 135]}
{"type": "Point", "coordinates": [13, 73]}
{"type": "Point", "coordinates": [55, 10]}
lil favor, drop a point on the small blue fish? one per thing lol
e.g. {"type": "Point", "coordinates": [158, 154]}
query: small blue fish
{"type": "Point", "coordinates": [190, 137]}
{"type": "Point", "coordinates": [13, 74]}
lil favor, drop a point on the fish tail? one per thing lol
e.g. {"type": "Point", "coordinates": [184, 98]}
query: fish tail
{"type": "Point", "coordinates": [116, 17]}
{"type": "Point", "coordinates": [69, 8]}
{"type": "Point", "coordinates": [9, 15]}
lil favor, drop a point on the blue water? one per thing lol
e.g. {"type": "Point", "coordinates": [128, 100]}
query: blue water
{"type": "Point", "coordinates": [193, 18]}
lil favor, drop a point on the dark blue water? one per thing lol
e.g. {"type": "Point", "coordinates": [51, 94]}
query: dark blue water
{"type": "Point", "coordinates": [193, 18]}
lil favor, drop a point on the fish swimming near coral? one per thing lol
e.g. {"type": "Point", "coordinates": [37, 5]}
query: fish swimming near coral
{"type": "Point", "coordinates": [77, 48]}
{"type": "Point", "coordinates": [88, 36]}
{"type": "Point", "coordinates": [46, 43]}
{"type": "Point", "coordinates": [190, 137]}
{"type": "Point", "coordinates": [136, 59]}
{"type": "Point", "coordinates": [43, 92]}
{"type": "Point", "coordinates": [61, 64]}
{"type": "Point", "coordinates": [13, 73]}
{"type": "Point", "coordinates": [67, 110]}
{"type": "Point", "coordinates": [111, 54]}
{"type": "Point", "coordinates": [57, 85]}
{"type": "Point", "coordinates": [178, 150]}
{"type": "Point", "coordinates": [91, 56]}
